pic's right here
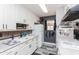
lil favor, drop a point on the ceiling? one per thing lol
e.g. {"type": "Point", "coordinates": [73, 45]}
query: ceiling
{"type": "Point", "coordinates": [38, 11]}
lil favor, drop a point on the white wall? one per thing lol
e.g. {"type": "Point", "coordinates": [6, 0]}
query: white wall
{"type": "Point", "coordinates": [16, 13]}
{"type": "Point", "coordinates": [59, 14]}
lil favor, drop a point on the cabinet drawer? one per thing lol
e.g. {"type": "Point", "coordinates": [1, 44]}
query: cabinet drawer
{"type": "Point", "coordinates": [12, 51]}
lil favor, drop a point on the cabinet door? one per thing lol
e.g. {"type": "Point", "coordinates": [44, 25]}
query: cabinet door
{"type": "Point", "coordinates": [7, 16]}
{"type": "Point", "coordinates": [10, 26]}
{"type": "Point", "coordinates": [13, 51]}
{"type": "Point", "coordinates": [1, 17]}
{"type": "Point", "coordinates": [32, 46]}
{"type": "Point", "coordinates": [23, 49]}
{"type": "Point", "coordinates": [20, 16]}
{"type": "Point", "coordinates": [27, 48]}
{"type": "Point", "coordinates": [1, 25]}
{"type": "Point", "coordinates": [9, 53]}
{"type": "Point", "coordinates": [10, 20]}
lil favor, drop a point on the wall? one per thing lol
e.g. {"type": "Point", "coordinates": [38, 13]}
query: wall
{"type": "Point", "coordinates": [16, 13]}
{"type": "Point", "coordinates": [59, 14]}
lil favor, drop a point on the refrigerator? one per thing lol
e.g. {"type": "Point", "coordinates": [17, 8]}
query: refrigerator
{"type": "Point", "coordinates": [38, 30]}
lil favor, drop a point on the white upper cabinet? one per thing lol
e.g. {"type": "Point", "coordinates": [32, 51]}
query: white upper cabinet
{"type": "Point", "coordinates": [10, 17]}
{"type": "Point", "coordinates": [10, 14]}
{"type": "Point", "coordinates": [1, 17]}
{"type": "Point", "coordinates": [61, 11]}
{"type": "Point", "coordinates": [68, 6]}
{"type": "Point", "coordinates": [20, 15]}
{"type": "Point", "coordinates": [7, 17]}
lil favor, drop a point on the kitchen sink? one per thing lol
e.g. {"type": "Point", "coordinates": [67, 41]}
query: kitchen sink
{"type": "Point", "coordinates": [11, 42]}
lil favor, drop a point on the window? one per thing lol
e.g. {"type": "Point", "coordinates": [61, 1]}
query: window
{"type": "Point", "coordinates": [50, 24]}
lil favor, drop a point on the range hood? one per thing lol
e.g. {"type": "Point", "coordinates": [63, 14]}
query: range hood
{"type": "Point", "coordinates": [72, 14]}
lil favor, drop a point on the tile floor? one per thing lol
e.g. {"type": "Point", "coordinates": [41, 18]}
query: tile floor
{"type": "Point", "coordinates": [46, 49]}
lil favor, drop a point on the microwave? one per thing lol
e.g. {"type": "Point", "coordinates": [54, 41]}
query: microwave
{"type": "Point", "coordinates": [21, 26]}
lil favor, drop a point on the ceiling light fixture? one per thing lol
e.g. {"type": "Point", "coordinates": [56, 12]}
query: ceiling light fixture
{"type": "Point", "coordinates": [43, 7]}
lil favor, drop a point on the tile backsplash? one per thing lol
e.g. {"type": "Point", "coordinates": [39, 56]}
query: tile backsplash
{"type": "Point", "coordinates": [9, 34]}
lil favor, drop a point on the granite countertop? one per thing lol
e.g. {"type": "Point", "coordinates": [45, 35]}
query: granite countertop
{"type": "Point", "coordinates": [4, 47]}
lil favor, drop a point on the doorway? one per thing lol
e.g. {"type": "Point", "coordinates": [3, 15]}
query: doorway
{"type": "Point", "coordinates": [49, 23]}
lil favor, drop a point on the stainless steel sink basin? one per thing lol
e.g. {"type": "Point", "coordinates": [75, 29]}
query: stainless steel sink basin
{"type": "Point", "coordinates": [11, 42]}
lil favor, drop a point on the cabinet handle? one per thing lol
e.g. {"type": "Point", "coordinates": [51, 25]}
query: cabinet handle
{"type": "Point", "coordinates": [6, 26]}
{"type": "Point", "coordinates": [30, 46]}
{"type": "Point", "coordinates": [3, 26]}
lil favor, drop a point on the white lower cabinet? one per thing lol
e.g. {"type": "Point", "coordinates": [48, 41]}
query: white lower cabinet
{"type": "Point", "coordinates": [9, 53]}
{"type": "Point", "coordinates": [26, 48]}
{"type": "Point", "coordinates": [33, 46]}
{"type": "Point", "coordinates": [13, 51]}
{"type": "Point", "coordinates": [23, 49]}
